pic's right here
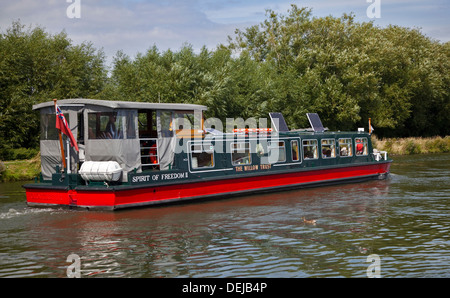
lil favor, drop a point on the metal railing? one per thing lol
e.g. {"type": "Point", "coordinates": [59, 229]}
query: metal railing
{"type": "Point", "coordinates": [149, 152]}
{"type": "Point", "coordinates": [380, 155]}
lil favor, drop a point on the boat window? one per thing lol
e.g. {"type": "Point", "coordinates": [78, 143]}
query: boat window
{"type": "Point", "coordinates": [277, 152]}
{"type": "Point", "coordinates": [294, 151]}
{"type": "Point", "coordinates": [188, 124]}
{"type": "Point", "coordinates": [165, 118]}
{"type": "Point", "coordinates": [202, 155]}
{"type": "Point", "coordinates": [310, 149]}
{"type": "Point", "coordinates": [188, 120]}
{"type": "Point", "coordinates": [104, 125]}
{"type": "Point", "coordinates": [240, 154]}
{"type": "Point", "coordinates": [48, 128]}
{"type": "Point", "coordinates": [361, 146]}
{"type": "Point", "coordinates": [328, 148]}
{"type": "Point", "coordinates": [345, 147]}
{"type": "Point", "coordinates": [112, 125]}
{"type": "Point", "coordinates": [131, 124]}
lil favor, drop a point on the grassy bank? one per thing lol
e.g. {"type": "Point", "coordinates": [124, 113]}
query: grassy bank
{"type": "Point", "coordinates": [20, 170]}
{"type": "Point", "coordinates": [406, 146]}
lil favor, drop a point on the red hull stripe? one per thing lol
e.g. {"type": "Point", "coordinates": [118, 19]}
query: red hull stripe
{"type": "Point", "coordinates": [110, 199]}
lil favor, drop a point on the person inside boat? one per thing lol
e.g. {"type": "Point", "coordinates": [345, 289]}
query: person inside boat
{"type": "Point", "coordinates": [111, 127]}
{"type": "Point", "coordinates": [111, 131]}
{"type": "Point", "coordinates": [326, 152]}
{"type": "Point", "coordinates": [359, 147]}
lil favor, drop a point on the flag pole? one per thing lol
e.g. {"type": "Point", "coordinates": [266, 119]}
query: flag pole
{"type": "Point", "coordinates": [370, 127]}
{"type": "Point", "coordinates": [63, 155]}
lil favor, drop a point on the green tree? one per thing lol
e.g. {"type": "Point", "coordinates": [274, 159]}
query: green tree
{"type": "Point", "coordinates": [349, 72]}
{"type": "Point", "coordinates": [36, 67]}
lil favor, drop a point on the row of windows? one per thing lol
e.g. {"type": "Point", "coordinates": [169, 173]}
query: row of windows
{"type": "Point", "coordinates": [328, 146]}
{"type": "Point", "coordinates": [202, 157]}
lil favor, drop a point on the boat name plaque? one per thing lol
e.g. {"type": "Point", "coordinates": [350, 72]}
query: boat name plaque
{"type": "Point", "coordinates": [159, 177]}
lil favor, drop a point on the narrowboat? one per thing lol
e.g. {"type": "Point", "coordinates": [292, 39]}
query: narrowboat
{"type": "Point", "coordinates": [118, 154]}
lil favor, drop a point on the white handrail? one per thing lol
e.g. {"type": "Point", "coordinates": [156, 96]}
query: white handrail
{"type": "Point", "coordinates": [149, 155]}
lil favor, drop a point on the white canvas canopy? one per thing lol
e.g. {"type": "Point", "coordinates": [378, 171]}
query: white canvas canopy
{"type": "Point", "coordinates": [106, 131]}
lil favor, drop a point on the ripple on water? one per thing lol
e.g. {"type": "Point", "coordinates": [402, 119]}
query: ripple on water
{"type": "Point", "coordinates": [403, 219]}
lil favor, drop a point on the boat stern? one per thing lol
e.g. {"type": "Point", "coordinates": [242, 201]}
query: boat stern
{"type": "Point", "coordinates": [48, 195]}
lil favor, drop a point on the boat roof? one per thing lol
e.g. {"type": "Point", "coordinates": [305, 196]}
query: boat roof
{"type": "Point", "coordinates": [121, 104]}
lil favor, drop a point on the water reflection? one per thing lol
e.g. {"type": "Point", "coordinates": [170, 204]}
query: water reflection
{"type": "Point", "coordinates": [254, 236]}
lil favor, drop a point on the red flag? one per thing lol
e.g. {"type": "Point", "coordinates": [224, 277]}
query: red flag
{"type": "Point", "coordinates": [62, 125]}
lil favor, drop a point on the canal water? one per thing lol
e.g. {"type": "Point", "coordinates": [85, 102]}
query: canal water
{"type": "Point", "coordinates": [403, 222]}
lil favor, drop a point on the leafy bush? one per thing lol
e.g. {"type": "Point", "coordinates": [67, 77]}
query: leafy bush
{"type": "Point", "coordinates": [18, 153]}
{"type": "Point", "coordinates": [438, 145]}
{"type": "Point", "coordinates": [2, 167]}
{"type": "Point", "coordinates": [412, 148]}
